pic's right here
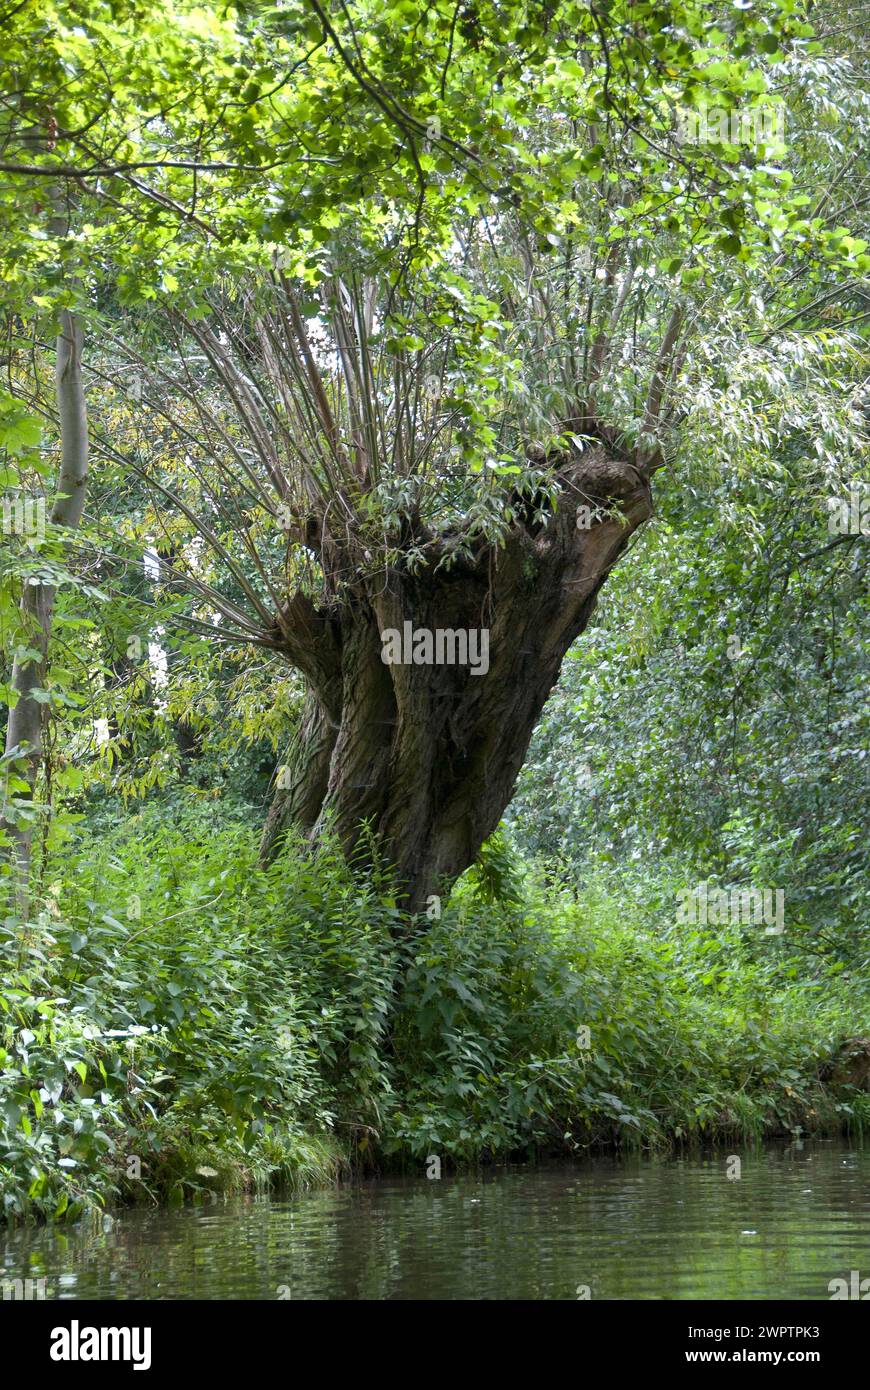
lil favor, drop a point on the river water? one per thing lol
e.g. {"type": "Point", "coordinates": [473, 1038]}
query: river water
{"type": "Point", "coordinates": [633, 1228]}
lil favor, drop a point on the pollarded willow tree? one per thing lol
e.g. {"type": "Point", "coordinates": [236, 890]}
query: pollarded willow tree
{"type": "Point", "coordinates": [426, 278]}
{"type": "Point", "coordinates": [442, 467]}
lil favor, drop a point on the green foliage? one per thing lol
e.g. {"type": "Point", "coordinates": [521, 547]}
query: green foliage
{"type": "Point", "coordinates": [177, 1022]}
{"type": "Point", "coordinates": [203, 136]}
{"type": "Point", "coordinates": [196, 1049]}
{"type": "Point", "coordinates": [570, 1021]}
{"type": "Point", "coordinates": [716, 711]}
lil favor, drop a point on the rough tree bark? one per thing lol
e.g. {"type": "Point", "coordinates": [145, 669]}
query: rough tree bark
{"type": "Point", "coordinates": [429, 755]}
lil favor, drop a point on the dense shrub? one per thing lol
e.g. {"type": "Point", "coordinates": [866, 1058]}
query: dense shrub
{"type": "Point", "coordinates": [175, 1020]}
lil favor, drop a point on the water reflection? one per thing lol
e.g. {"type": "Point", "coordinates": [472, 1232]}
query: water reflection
{"type": "Point", "coordinates": [625, 1229]}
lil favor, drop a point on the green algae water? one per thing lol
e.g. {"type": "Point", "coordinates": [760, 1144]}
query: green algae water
{"type": "Point", "coordinates": [605, 1228]}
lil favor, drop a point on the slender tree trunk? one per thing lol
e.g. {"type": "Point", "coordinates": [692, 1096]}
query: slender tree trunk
{"type": "Point", "coordinates": [428, 755]}
{"type": "Point", "coordinates": [24, 727]}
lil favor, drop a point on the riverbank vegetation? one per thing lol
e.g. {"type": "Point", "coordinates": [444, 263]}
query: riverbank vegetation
{"type": "Point", "coordinates": [267, 1027]}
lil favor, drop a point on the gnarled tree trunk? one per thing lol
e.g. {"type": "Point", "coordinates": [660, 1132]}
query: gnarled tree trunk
{"type": "Point", "coordinates": [428, 755]}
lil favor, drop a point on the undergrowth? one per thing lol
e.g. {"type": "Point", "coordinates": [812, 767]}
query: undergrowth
{"type": "Point", "coordinates": [175, 1020]}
